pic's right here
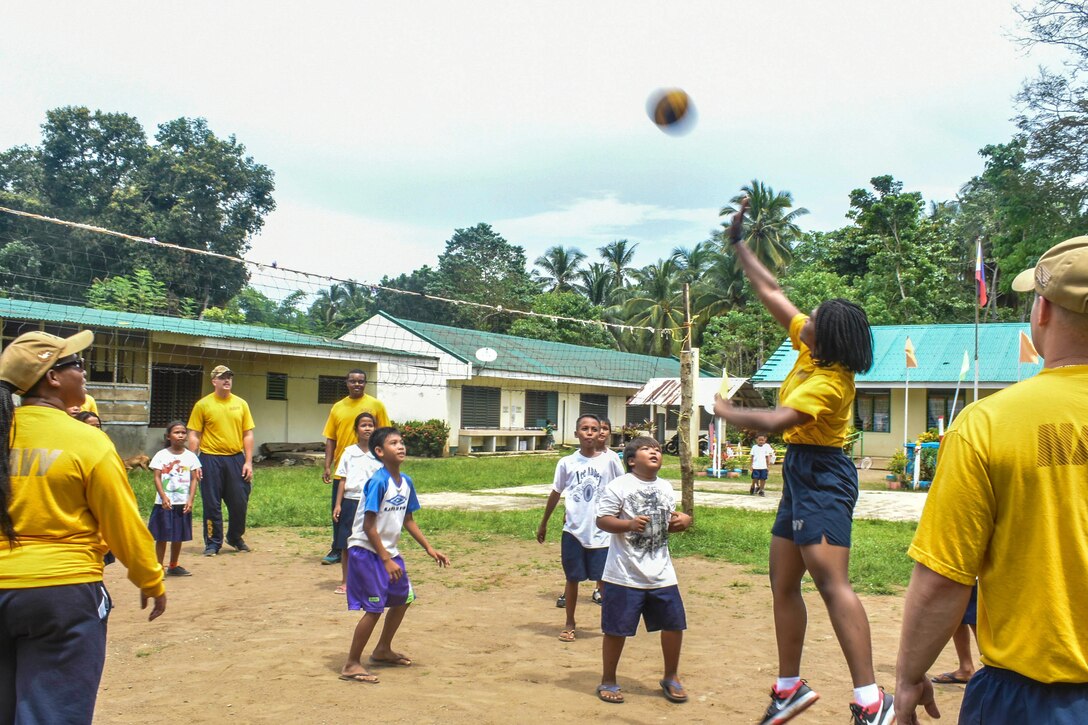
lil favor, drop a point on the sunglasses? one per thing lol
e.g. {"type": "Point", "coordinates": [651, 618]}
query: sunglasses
{"type": "Point", "coordinates": [70, 361]}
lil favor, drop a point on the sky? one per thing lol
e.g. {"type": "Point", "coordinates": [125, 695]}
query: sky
{"type": "Point", "coordinates": [390, 125]}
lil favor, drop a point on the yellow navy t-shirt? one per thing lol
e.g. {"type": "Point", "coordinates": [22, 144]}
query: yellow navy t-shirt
{"type": "Point", "coordinates": [1009, 504]}
{"type": "Point", "coordinates": [71, 502]}
{"type": "Point", "coordinates": [826, 394]}
{"type": "Point", "coordinates": [340, 425]}
{"type": "Point", "coordinates": [221, 423]}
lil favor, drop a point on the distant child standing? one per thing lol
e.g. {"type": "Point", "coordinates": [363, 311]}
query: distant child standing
{"type": "Point", "coordinates": [763, 457]}
{"type": "Point", "coordinates": [357, 464]}
{"type": "Point", "coordinates": [581, 476]}
{"type": "Point", "coordinates": [606, 437]}
{"type": "Point", "coordinates": [377, 578]}
{"type": "Point", "coordinates": [177, 472]}
{"type": "Point", "coordinates": [638, 509]}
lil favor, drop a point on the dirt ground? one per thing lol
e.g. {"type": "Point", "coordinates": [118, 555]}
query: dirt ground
{"type": "Point", "coordinates": [260, 637]}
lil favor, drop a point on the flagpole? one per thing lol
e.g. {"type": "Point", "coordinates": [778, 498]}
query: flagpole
{"type": "Point", "coordinates": [976, 351]}
{"type": "Point", "coordinates": [906, 398]}
{"type": "Point", "coordinates": [955, 397]}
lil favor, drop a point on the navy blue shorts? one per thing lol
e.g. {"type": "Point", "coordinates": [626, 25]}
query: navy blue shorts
{"type": "Point", "coordinates": [579, 563]}
{"type": "Point", "coordinates": [1002, 697]}
{"type": "Point", "coordinates": [348, 509]}
{"type": "Point", "coordinates": [970, 616]}
{"type": "Point", "coordinates": [759, 474]}
{"type": "Point", "coordinates": [659, 609]}
{"type": "Point", "coordinates": [818, 495]}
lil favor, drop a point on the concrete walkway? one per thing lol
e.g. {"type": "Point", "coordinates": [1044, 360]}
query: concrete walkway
{"type": "Point", "coordinates": [725, 493]}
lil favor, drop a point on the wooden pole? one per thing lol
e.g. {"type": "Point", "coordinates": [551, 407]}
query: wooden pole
{"type": "Point", "coordinates": [687, 477]}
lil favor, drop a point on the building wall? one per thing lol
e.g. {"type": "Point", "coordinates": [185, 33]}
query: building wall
{"type": "Point", "coordinates": [885, 444]}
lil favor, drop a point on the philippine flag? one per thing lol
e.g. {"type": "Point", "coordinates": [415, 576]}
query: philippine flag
{"type": "Point", "coordinates": [980, 276]}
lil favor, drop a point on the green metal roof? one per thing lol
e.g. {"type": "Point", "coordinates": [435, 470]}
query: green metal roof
{"type": "Point", "coordinates": [89, 317]}
{"type": "Point", "coordinates": [938, 349]}
{"type": "Point", "coordinates": [542, 357]}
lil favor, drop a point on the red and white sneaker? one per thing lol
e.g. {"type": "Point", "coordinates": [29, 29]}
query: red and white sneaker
{"type": "Point", "coordinates": [787, 705]}
{"type": "Point", "coordinates": [881, 712]}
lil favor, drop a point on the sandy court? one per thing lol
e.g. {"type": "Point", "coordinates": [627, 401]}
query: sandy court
{"type": "Point", "coordinates": [260, 637]}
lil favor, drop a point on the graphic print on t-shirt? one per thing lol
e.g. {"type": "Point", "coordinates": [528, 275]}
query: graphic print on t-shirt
{"type": "Point", "coordinates": [655, 536]}
{"type": "Point", "coordinates": [587, 485]}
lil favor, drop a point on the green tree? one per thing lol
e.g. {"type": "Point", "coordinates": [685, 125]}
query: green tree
{"type": "Point", "coordinates": [139, 292]}
{"type": "Point", "coordinates": [619, 255]}
{"type": "Point", "coordinates": [770, 225]}
{"type": "Point", "coordinates": [656, 301]}
{"type": "Point", "coordinates": [597, 283]}
{"type": "Point", "coordinates": [424, 280]}
{"type": "Point", "coordinates": [563, 304]}
{"type": "Point", "coordinates": [559, 267]}
{"type": "Point", "coordinates": [478, 265]}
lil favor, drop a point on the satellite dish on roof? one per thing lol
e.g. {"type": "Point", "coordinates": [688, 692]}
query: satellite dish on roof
{"type": "Point", "coordinates": [486, 354]}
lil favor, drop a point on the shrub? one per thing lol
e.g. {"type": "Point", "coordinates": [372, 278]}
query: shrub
{"type": "Point", "coordinates": [426, 438]}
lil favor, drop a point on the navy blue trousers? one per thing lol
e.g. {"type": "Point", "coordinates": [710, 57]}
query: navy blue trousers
{"type": "Point", "coordinates": [52, 649]}
{"type": "Point", "coordinates": [222, 483]}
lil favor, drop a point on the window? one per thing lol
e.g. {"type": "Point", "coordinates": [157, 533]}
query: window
{"type": "Point", "coordinates": [872, 411]}
{"type": "Point", "coordinates": [540, 407]}
{"type": "Point", "coordinates": [593, 404]}
{"type": "Point", "coordinates": [330, 388]}
{"type": "Point", "coordinates": [637, 414]}
{"type": "Point", "coordinates": [275, 386]}
{"type": "Point", "coordinates": [480, 407]}
{"type": "Point", "coordinates": [174, 391]}
{"type": "Point", "coordinates": [939, 403]}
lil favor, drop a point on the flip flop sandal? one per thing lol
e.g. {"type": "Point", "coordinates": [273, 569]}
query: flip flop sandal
{"type": "Point", "coordinates": [567, 635]}
{"type": "Point", "coordinates": [340, 590]}
{"type": "Point", "coordinates": [614, 690]}
{"type": "Point", "coordinates": [395, 662]}
{"type": "Point", "coordinates": [361, 677]}
{"type": "Point", "coordinates": [948, 678]}
{"type": "Point", "coordinates": [597, 598]}
{"type": "Point", "coordinates": [667, 686]}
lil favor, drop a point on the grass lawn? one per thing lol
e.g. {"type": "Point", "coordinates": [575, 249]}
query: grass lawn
{"type": "Point", "coordinates": [295, 496]}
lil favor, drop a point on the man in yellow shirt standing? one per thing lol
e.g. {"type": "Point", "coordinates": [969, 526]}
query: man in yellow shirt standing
{"type": "Point", "coordinates": [221, 433]}
{"type": "Point", "coordinates": [1009, 504]}
{"type": "Point", "coordinates": [340, 433]}
{"type": "Point", "coordinates": [64, 501]}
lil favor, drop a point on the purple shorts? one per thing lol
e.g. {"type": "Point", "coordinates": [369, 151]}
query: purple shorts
{"type": "Point", "coordinates": [369, 587]}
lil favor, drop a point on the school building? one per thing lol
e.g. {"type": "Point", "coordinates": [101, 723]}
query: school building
{"type": "Point", "coordinates": [146, 370]}
{"type": "Point", "coordinates": [893, 404]}
{"type": "Point", "coordinates": [497, 392]}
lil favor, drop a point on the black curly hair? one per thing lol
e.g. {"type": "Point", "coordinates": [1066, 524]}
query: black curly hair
{"type": "Point", "coordinates": [843, 336]}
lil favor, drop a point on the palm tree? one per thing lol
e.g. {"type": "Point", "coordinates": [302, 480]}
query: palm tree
{"type": "Point", "coordinates": [559, 267]}
{"type": "Point", "coordinates": [718, 289]}
{"type": "Point", "coordinates": [657, 301]}
{"type": "Point", "coordinates": [618, 255]}
{"type": "Point", "coordinates": [770, 227]}
{"type": "Point", "coordinates": [691, 262]}
{"type": "Point", "coordinates": [597, 284]}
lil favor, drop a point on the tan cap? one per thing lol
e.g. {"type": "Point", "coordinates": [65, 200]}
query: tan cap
{"type": "Point", "coordinates": [219, 370]}
{"type": "Point", "coordinates": [28, 357]}
{"type": "Point", "coordinates": [1061, 275]}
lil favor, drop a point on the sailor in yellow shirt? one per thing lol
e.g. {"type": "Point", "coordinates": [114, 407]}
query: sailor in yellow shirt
{"type": "Point", "coordinates": [820, 487]}
{"type": "Point", "coordinates": [1009, 504]}
{"type": "Point", "coordinates": [221, 434]}
{"type": "Point", "coordinates": [340, 433]}
{"type": "Point", "coordinates": [64, 500]}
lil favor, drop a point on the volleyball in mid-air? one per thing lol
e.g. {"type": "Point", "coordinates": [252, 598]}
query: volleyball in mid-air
{"type": "Point", "coordinates": [671, 110]}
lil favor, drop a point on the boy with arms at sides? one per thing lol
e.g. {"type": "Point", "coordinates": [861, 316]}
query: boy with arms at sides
{"type": "Point", "coordinates": [639, 511]}
{"type": "Point", "coordinates": [763, 457]}
{"type": "Point", "coordinates": [377, 576]}
{"type": "Point", "coordinates": [582, 475]}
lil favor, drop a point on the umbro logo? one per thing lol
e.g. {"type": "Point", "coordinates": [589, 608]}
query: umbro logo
{"type": "Point", "coordinates": [398, 500]}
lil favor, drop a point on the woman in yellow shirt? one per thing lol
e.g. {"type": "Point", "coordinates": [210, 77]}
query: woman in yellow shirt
{"type": "Point", "coordinates": [64, 501]}
{"type": "Point", "coordinates": [812, 529]}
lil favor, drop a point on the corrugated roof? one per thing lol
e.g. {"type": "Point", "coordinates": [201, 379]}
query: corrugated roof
{"type": "Point", "coordinates": [542, 357]}
{"type": "Point", "coordinates": [939, 350]}
{"type": "Point", "coordinates": [89, 317]}
{"type": "Point", "coordinates": [666, 391]}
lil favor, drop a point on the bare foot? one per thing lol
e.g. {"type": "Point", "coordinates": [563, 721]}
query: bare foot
{"type": "Point", "coordinates": [389, 657]}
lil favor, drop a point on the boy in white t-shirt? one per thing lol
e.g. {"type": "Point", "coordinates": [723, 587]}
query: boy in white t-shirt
{"type": "Point", "coordinates": [763, 457]}
{"type": "Point", "coordinates": [377, 578]}
{"type": "Point", "coordinates": [581, 477]}
{"type": "Point", "coordinates": [357, 464]}
{"type": "Point", "coordinates": [639, 511]}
